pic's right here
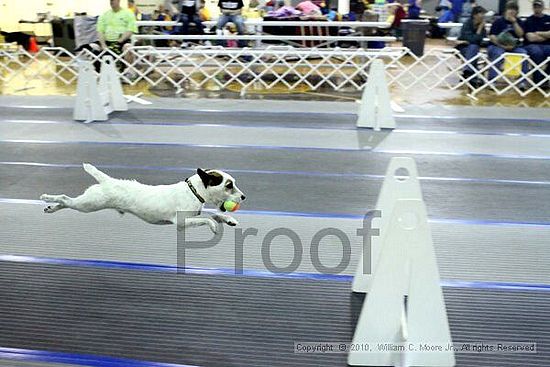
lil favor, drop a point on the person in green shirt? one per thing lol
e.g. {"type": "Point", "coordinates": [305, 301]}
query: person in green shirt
{"type": "Point", "coordinates": [115, 27]}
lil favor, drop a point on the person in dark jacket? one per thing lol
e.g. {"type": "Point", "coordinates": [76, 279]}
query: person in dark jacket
{"type": "Point", "coordinates": [537, 38]}
{"type": "Point", "coordinates": [472, 34]}
{"type": "Point", "coordinates": [505, 36]}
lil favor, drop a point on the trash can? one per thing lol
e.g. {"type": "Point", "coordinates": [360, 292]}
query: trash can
{"type": "Point", "coordinates": [414, 35]}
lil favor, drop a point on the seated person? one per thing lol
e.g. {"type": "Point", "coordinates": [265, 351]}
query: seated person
{"type": "Point", "coordinates": [204, 13]}
{"type": "Point", "coordinates": [537, 38]}
{"type": "Point", "coordinates": [456, 8]}
{"type": "Point", "coordinates": [471, 35]}
{"type": "Point", "coordinates": [414, 9]}
{"type": "Point", "coordinates": [396, 14]}
{"type": "Point", "coordinates": [467, 9]}
{"type": "Point", "coordinates": [189, 13]}
{"type": "Point", "coordinates": [163, 15]}
{"type": "Point", "coordinates": [504, 35]}
{"type": "Point", "coordinates": [134, 9]}
{"type": "Point", "coordinates": [231, 12]}
{"type": "Point", "coordinates": [309, 8]}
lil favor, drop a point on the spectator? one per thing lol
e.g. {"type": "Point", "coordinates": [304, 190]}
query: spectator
{"type": "Point", "coordinates": [467, 9]}
{"type": "Point", "coordinates": [204, 13]}
{"type": "Point", "coordinates": [134, 9]}
{"type": "Point", "coordinates": [163, 15]}
{"type": "Point", "coordinates": [456, 8]}
{"type": "Point", "coordinates": [444, 5]}
{"type": "Point", "coordinates": [115, 27]}
{"type": "Point", "coordinates": [231, 12]}
{"type": "Point", "coordinates": [415, 6]}
{"type": "Point", "coordinates": [504, 35]}
{"type": "Point", "coordinates": [396, 15]}
{"type": "Point", "coordinates": [309, 8]}
{"type": "Point", "coordinates": [537, 37]}
{"type": "Point", "coordinates": [472, 34]}
{"type": "Point", "coordinates": [189, 13]}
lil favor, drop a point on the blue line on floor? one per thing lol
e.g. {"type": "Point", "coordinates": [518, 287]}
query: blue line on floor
{"type": "Point", "coordinates": [276, 147]}
{"type": "Point", "coordinates": [253, 273]}
{"type": "Point", "coordinates": [269, 172]}
{"type": "Point", "coordinates": [460, 154]}
{"type": "Point", "coordinates": [335, 215]}
{"type": "Point", "coordinates": [28, 355]}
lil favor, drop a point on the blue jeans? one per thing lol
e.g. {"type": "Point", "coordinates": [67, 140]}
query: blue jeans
{"type": "Point", "coordinates": [539, 53]}
{"type": "Point", "coordinates": [469, 52]}
{"type": "Point", "coordinates": [185, 19]}
{"type": "Point", "coordinates": [235, 19]}
{"type": "Point", "coordinates": [495, 52]}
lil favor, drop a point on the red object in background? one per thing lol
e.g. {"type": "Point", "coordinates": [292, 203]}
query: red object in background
{"type": "Point", "coordinates": [400, 14]}
{"type": "Point", "coordinates": [33, 46]}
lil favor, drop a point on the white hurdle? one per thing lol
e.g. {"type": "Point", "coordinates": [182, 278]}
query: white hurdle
{"type": "Point", "coordinates": [404, 307]}
{"type": "Point", "coordinates": [375, 111]}
{"type": "Point", "coordinates": [95, 101]}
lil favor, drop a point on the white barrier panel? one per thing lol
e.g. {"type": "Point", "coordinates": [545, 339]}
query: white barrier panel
{"type": "Point", "coordinates": [439, 70]}
{"type": "Point", "coordinates": [417, 324]}
{"type": "Point", "coordinates": [110, 86]}
{"type": "Point", "coordinates": [401, 182]}
{"type": "Point", "coordinates": [88, 105]}
{"type": "Point", "coordinates": [375, 111]}
{"type": "Point", "coordinates": [94, 102]}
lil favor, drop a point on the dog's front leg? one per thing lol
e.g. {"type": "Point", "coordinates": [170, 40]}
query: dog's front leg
{"type": "Point", "coordinates": [197, 222]}
{"type": "Point", "coordinates": [224, 218]}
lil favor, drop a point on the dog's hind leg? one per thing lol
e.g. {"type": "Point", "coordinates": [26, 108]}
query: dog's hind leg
{"type": "Point", "coordinates": [93, 199]}
{"type": "Point", "coordinates": [61, 199]}
{"type": "Point", "coordinates": [53, 209]}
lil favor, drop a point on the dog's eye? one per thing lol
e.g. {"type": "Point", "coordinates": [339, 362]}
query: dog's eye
{"type": "Point", "coordinates": [229, 185]}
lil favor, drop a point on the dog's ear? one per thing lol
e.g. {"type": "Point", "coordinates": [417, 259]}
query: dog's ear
{"type": "Point", "coordinates": [209, 179]}
{"type": "Point", "coordinates": [204, 177]}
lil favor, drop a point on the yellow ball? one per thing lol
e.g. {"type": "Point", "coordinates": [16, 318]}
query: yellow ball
{"type": "Point", "coordinates": [231, 206]}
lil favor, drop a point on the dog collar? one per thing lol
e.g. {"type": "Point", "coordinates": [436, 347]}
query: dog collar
{"type": "Point", "coordinates": [194, 191]}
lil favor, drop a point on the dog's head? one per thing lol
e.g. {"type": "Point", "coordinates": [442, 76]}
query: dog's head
{"type": "Point", "coordinates": [219, 187]}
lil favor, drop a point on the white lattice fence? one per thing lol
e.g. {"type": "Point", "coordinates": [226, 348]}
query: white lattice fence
{"type": "Point", "coordinates": [292, 68]}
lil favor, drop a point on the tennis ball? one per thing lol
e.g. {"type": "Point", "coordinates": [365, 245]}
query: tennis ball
{"type": "Point", "coordinates": [231, 206]}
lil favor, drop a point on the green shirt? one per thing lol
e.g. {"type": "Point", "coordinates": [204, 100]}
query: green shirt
{"type": "Point", "coordinates": [114, 24]}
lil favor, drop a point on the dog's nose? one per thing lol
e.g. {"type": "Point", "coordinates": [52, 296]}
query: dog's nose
{"type": "Point", "coordinates": [243, 197]}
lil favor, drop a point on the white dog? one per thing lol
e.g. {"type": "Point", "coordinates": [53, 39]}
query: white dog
{"type": "Point", "coordinates": [156, 204]}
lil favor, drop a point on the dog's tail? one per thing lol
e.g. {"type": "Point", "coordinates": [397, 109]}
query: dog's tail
{"type": "Point", "coordinates": [95, 173]}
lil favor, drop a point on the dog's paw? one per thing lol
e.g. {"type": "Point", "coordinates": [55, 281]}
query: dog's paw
{"type": "Point", "coordinates": [223, 218]}
{"type": "Point", "coordinates": [230, 221]}
{"type": "Point", "coordinates": [45, 197]}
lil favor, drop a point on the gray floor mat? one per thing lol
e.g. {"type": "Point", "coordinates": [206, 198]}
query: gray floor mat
{"type": "Point", "coordinates": [312, 119]}
{"type": "Point", "coordinates": [303, 162]}
{"type": "Point", "coordinates": [428, 142]}
{"type": "Point", "coordinates": [488, 253]}
{"type": "Point", "coordinates": [230, 321]}
{"type": "Point", "coordinates": [291, 193]}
